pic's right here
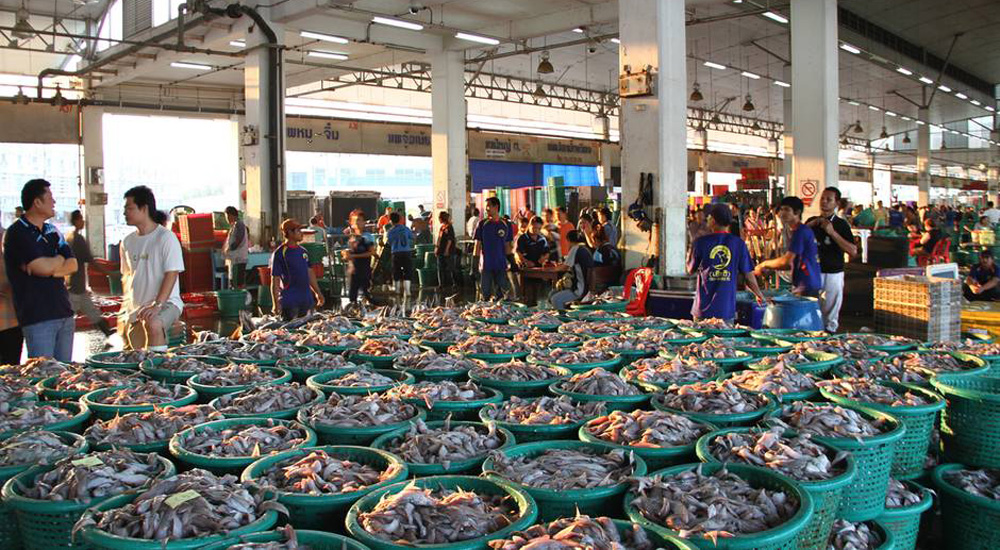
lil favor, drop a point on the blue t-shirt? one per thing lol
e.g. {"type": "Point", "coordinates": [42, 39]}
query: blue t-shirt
{"type": "Point", "coordinates": [360, 244]}
{"type": "Point", "coordinates": [717, 259]}
{"type": "Point", "coordinates": [806, 273]}
{"type": "Point", "coordinates": [36, 299]}
{"type": "Point", "coordinates": [400, 239]}
{"type": "Point", "coordinates": [291, 265]}
{"type": "Point", "coordinates": [493, 237]}
{"type": "Point", "coordinates": [895, 218]}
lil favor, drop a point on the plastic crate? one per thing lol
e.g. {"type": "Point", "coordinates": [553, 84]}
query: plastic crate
{"type": "Point", "coordinates": [197, 228]}
{"type": "Point", "coordinates": [916, 290]}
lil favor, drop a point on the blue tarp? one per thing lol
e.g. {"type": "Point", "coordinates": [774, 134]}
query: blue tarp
{"type": "Point", "coordinates": [573, 176]}
{"type": "Point", "coordinates": [487, 174]}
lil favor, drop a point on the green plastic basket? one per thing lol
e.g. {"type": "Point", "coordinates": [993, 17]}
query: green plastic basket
{"type": "Point", "coordinates": [789, 334]}
{"type": "Point", "coordinates": [207, 393]}
{"type": "Point", "coordinates": [46, 524]}
{"type": "Point", "coordinates": [72, 424]}
{"type": "Point", "coordinates": [458, 410]}
{"type": "Point", "coordinates": [970, 425]}
{"type": "Point", "coordinates": [826, 493]}
{"type": "Point", "coordinates": [555, 504]}
{"type": "Point", "coordinates": [820, 366]}
{"type": "Point", "coordinates": [576, 368]}
{"type": "Point", "coordinates": [323, 511]}
{"type": "Point", "coordinates": [727, 364]}
{"type": "Point", "coordinates": [468, 466]}
{"type": "Point", "coordinates": [613, 402]}
{"type": "Point", "coordinates": [10, 535]}
{"type": "Point", "coordinates": [606, 306]}
{"type": "Point", "coordinates": [911, 451]}
{"type": "Point", "coordinates": [318, 382]}
{"type": "Point", "coordinates": [229, 464]}
{"type": "Point", "coordinates": [776, 347]}
{"type": "Point", "coordinates": [231, 302]}
{"type": "Point", "coordinates": [100, 540]}
{"type": "Point", "coordinates": [378, 361]}
{"type": "Point", "coordinates": [302, 350]}
{"type": "Point", "coordinates": [285, 414]}
{"type": "Point", "coordinates": [99, 360]}
{"type": "Point", "coordinates": [437, 347]}
{"type": "Point", "coordinates": [527, 433]}
{"type": "Point", "coordinates": [904, 523]}
{"type": "Point", "coordinates": [864, 498]}
{"type": "Point", "coordinates": [891, 348]}
{"type": "Point", "coordinates": [498, 357]}
{"type": "Point", "coordinates": [149, 368]}
{"type": "Point", "coordinates": [105, 412]}
{"type": "Point", "coordinates": [722, 420]}
{"type": "Point", "coordinates": [782, 537]}
{"type": "Point", "coordinates": [329, 434]}
{"type": "Point", "coordinates": [317, 540]}
{"type": "Point", "coordinates": [528, 510]}
{"type": "Point", "coordinates": [300, 375]}
{"type": "Point", "coordinates": [530, 388]}
{"type": "Point", "coordinates": [45, 391]}
{"type": "Point", "coordinates": [969, 521]}
{"type": "Point", "coordinates": [787, 397]}
{"type": "Point", "coordinates": [656, 458]}
{"type": "Point", "coordinates": [694, 337]}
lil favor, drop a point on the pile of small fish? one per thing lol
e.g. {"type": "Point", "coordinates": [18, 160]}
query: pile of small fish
{"type": "Point", "coordinates": [598, 382]}
{"type": "Point", "coordinates": [653, 429]}
{"type": "Point", "coordinates": [443, 334]}
{"type": "Point", "coordinates": [146, 393]}
{"type": "Point", "coordinates": [446, 444]}
{"type": "Point", "coordinates": [848, 348]}
{"type": "Point", "coordinates": [713, 323]}
{"type": "Point", "coordinates": [315, 362]}
{"type": "Point", "coordinates": [437, 516]}
{"type": "Point", "coordinates": [332, 339]}
{"type": "Point", "coordinates": [16, 388]}
{"type": "Point", "coordinates": [678, 370]}
{"type": "Point", "coordinates": [196, 503]}
{"type": "Point", "coordinates": [494, 345]}
{"type": "Point", "coordinates": [30, 414]}
{"type": "Point", "coordinates": [713, 397]}
{"type": "Point", "coordinates": [267, 399]}
{"type": "Point", "coordinates": [237, 374]}
{"type": "Point", "coordinates": [900, 496]}
{"type": "Point", "coordinates": [881, 370]}
{"type": "Point", "coordinates": [96, 475]}
{"type": "Point", "coordinates": [621, 342]}
{"type": "Point", "coordinates": [535, 338]}
{"type": "Point", "coordinates": [662, 336]}
{"type": "Point", "coordinates": [515, 371]}
{"type": "Point", "coordinates": [713, 348]}
{"type": "Point", "coordinates": [498, 311]}
{"type": "Point", "coordinates": [179, 364]}
{"type": "Point", "coordinates": [241, 440]}
{"type": "Point", "coordinates": [37, 367]}
{"type": "Point", "coordinates": [982, 349]}
{"type": "Point", "coordinates": [928, 363]}
{"type": "Point", "coordinates": [90, 379]}
{"type": "Point", "coordinates": [505, 331]}
{"type": "Point", "coordinates": [826, 420]}
{"type": "Point", "coordinates": [778, 380]}
{"type": "Point", "coordinates": [130, 356]}
{"type": "Point", "coordinates": [331, 323]}
{"type": "Point", "coordinates": [270, 335]}
{"type": "Point", "coordinates": [787, 359]}
{"type": "Point", "coordinates": [361, 378]}
{"type": "Point", "coordinates": [847, 535]}
{"type": "Point", "coordinates": [36, 447]}
{"type": "Point", "coordinates": [880, 339]}
{"type": "Point", "coordinates": [390, 326]}
{"type": "Point", "coordinates": [541, 319]}
{"type": "Point", "coordinates": [581, 532]}
{"type": "Point", "coordinates": [870, 391]}
{"type": "Point", "coordinates": [142, 428]}
{"type": "Point", "coordinates": [650, 321]}
{"type": "Point", "coordinates": [359, 410]}
{"type": "Point", "coordinates": [681, 502]}
{"type": "Point", "coordinates": [544, 411]}
{"type": "Point", "coordinates": [590, 327]}
{"type": "Point", "coordinates": [570, 356]}
{"type": "Point", "coordinates": [440, 317]}
{"type": "Point", "coordinates": [432, 361]}
{"type": "Point", "coordinates": [289, 542]}
{"type": "Point", "coordinates": [263, 352]}
{"type": "Point", "coordinates": [606, 297]}
{"type": "Point", "coordinates": [600, 315]}
{"type": "Point", "coordinates": [318, 473]}
{"type": "Point", "coordinates": [566, 469]}
{"type": "Point", "coordinates": [982, 483]}
{"type": "Point", "coordinates": [387, 347]}
{"type": "Point", "coordinates": [797, 457]}
{"type": "Point", "coordinates": [222, 347]}
{"type": "Point", "coordinates": [430, 392]}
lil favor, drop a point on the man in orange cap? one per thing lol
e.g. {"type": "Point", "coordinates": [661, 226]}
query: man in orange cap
{"type": "Point", "coordinates": [294, 291]}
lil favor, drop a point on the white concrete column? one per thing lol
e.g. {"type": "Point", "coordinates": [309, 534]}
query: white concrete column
{"type": "Point", "coordinates": [788, 143]}
{"type": "Point", "coordinates": [815, 102]}
{"type": "Point", "coordinates": [264, 206]}
{"type": "Point", "coordinates": [92, 168]}
{"type": "Point", "coordinates": [654, 132]}
{"type": "Point", "coordinates": [448, 136]}
{"type": "Point", "coordinates": [923, 159]}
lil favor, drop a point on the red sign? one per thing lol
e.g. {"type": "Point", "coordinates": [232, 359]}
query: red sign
{"type": "Point", "coordinates": [807, 190]}
{"type": "Point", "coordinates": [975, 186]}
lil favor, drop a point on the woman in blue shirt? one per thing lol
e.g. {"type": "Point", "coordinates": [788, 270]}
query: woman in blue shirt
{"type": "Point", "coordinates": [359, 252]}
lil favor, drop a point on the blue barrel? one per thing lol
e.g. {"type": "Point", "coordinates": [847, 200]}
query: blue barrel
{"type": "Point", "coordinates": [795, 312]}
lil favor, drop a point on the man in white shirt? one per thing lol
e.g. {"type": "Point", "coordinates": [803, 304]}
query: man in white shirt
{"type": "Point", "coordinates": [150, 265]}
{"type": "Point", "coordinates": [992, 213]}
{"type": "Point", "coordinates": [472, 223]}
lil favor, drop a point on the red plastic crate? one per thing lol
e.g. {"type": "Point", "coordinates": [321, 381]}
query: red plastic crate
{"type": "Point", "coordinates": [197, 228]}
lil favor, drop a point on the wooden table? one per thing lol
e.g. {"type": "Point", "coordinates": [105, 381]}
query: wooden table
{"type": "Point", "coordinates": [540, 274]}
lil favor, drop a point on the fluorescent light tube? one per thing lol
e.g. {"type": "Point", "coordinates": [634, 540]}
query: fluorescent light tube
{"type": "Point", "coordinates": [890, 113]}
{"type": "Point", "coordinates": [776, 17]}
{"type": "Point", "coordinates": [849, 48]}
{"type": "Point", "coordinates": [238, 43]}
{"type": "Point", "coordinates": [616, 41]}
{"type": "Point", "coordinates": [855, 103]}
{"type": "Point", "coordinates": [328, 55]}
{"type": "Point", "coordinates": [397, 23]}
{"type": "Point", "coordinates": [944, 88]}
{"type": "Point", "coordinates": [749, 74]}
{"type": "Point", "coordinates": [782, 83]}
{"type": "Point", "coordinates": [714, 65]}
{"type": "Point", "coordinates": [975, 102]}
{"type": "Point", "coordinates": [578, 30]}
{"type": "Point", "coordinates": [476, 38]}
{"type": "Point", "coordinates": [874, 108]}
{"type": "Point", "coordinates": [960, 95]}
{"type": "Point", "coordinates": [926, 80]}
{"type": "Point", "coordinates": [904, 70]}
{"type": "Point", "coordinates": [920, 122]}
{"type": "Point", "coordinates": [324, 37]}
{"type": "Point", "coordinates": [195, 66]}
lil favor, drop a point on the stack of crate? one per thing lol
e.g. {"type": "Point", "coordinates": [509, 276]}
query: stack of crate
{"type": "Point", "coordinates": [924, 308]}
{"type": "Point", "coordinates": [197, 241]}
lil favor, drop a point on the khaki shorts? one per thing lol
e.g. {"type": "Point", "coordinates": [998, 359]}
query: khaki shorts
{"type": "Point", "coordinates": [168, 315]}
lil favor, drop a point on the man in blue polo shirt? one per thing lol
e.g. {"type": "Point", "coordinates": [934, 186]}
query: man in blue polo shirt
{"type": "Point", "coordinates": [37, 258]}
{"type": "Point", "coordinates": [718, 259]}
{"type": "Point", "coordinates": [400, 241]}
{"type": "Point", "coordinates": [802, 256]}
{"type": "Point", "coordinates": [494, 240]}
{"type": "Point", "coordinates": [293, 283]}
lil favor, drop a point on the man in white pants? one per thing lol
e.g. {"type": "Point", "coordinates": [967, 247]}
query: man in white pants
{"type": "Point", "coordinates": [834, 239]}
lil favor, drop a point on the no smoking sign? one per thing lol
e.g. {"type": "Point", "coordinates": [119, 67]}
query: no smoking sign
{"type": "Point", "coordinates": [807, 188]}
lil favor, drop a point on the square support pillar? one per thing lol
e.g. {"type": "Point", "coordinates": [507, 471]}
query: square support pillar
{"type": "Point", "coordinates": [449, 160]}
{"type": "Point", "coordinates": [92, 176]}
{"type": "Point", "coordinates": [923, 159]}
